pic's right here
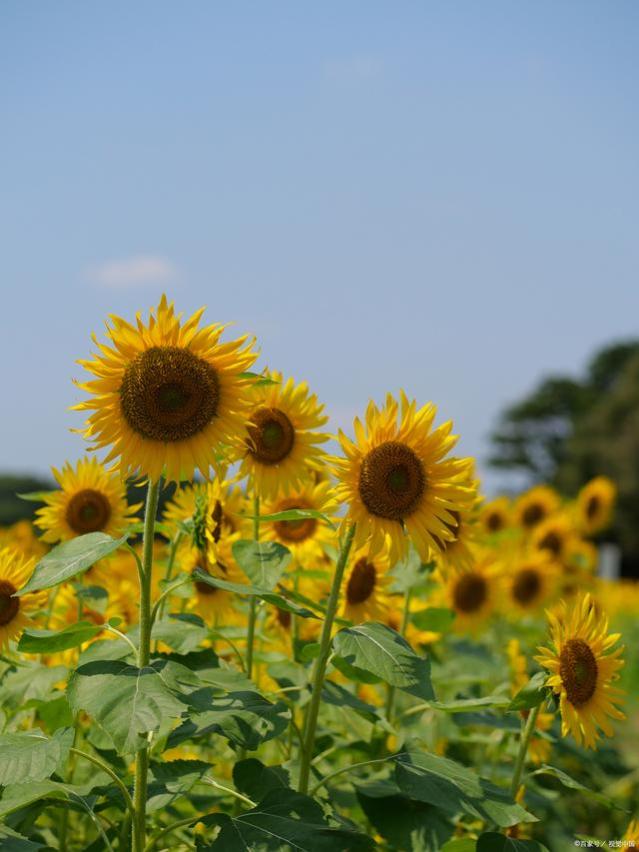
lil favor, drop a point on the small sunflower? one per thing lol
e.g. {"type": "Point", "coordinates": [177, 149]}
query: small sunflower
{"type": "Point", "coordinates": [535, 505]}
{"type": "Point", "coordinates": [166, 395]}
{"type": "Point", "coordinates": [305, 538]}
{"type": "Point", "coordinates": [16, 613]}
{"type": "Point", "coordinates": [530, 583]}
{"type": "Point", "coordinates": [495, 516]}
{"type": "Point", "coordinates": [595, 505]}
{"type": "Point", "coordinates": [90, 499]}
{"type": "Point", "coordinates": [282, 443]}
{"type": "Point", "coordinates": [583, 667]}
{"type": "Point", "coordinates": [365, 589]}
{"type": "Point", "coordinates": [554, 534]}
{"type": "Point", "coordinates": [396, 481]}
{"type": "Point", "coordinates": [473, 594]}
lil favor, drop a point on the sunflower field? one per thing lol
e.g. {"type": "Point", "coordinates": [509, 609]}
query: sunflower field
{"type": "Point", "coordinates": [307, 648]}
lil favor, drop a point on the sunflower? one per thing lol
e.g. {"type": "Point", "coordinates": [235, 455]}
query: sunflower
{"type": "Point", "coordinates": [167, 394]}
{"type": "Point", "coordinates": [90, 499]}
{"type": "Point", "coordinates": [473, 594]}
{"type": "Point", "coordinates": [224, 504]}
{"type": "Point", "coordinates": [16, 612]}
{"type": "Point", "coordinates": [535, 505]}
{"type": "Point", "coordinates": [583, 667]}
{"type": "Point", "coordinates": [21, 537]}
{"type": "Point", "coordinates": [595, 504]}
{"type": "Point", "coordinates": [281, 445]}
{"type": "Point", "coordinates": [495, 516]}
{"type": "Point", "coordinates": [365, 589]}
{"type": "Point", "coordinates": [395, 479]}
{"type": "Point", "coordinates": [456, 554]}
{"type": "Point", "coordinates": [216, 606]}
{"type": "Point", "coordinates": [553, 535]}
{"type": "Point", "coordinates": [530, 583]}
{"type": "Point", "coordinates": [305, 538]}
{"type": "Point", "coordinates": [632, 832]}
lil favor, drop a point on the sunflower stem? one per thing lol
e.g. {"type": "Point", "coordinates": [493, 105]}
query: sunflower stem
{"type": "Point", "coordinates": [144, 654]}
{"type": "Point", "coordinates": [390, 699]}
{"type": "Point", "coordinates": [250, 635]}
{"type": "Point", "coordinates": [526, 734]}
{"type": "Point", "coordinates": [321, 662]}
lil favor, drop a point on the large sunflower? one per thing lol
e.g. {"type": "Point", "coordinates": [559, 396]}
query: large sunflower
{"type": "Point", "coordinates": [167, 394]}
{"type": "Point", "coordinates": [535, 505]}
{"type": "Point", "coordinates": [583, 667]}
{"type": "Point", "coordinates": [306, 538]}
{"type": "Point", "coordinates": [365, 590]}
{"type": "Point", "coordinates": [595, 504]}
{"type": "Point", "coordinates": [16, 612]}
{"type": "Point", "coordinates": [281, 446]}
{"type": "Point", "coordinates": [90, 499]}
{"type": "Point", "coordinates": [396, 481]}
{"type": "Point", "coordinates": [530, 583]}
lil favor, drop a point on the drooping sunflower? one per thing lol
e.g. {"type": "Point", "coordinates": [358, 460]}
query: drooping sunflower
{"type": "Point", "coordinates": [16, 612]}
{"type": "Point", "coordinates": [306, 538]}
{"type": "Point", "coordinates": [90, 499]}
{"type": "Point", "coordinates": [224, 504]}
{"type": "Point", "coordinates": [539, 748]}
{"type": "Point", "coordinates": [495, 516]}
{"type": "Point", "coordinates": [166, 395]}
{"type": "Point", "coordinates": [583, 667]}
{"type": "Point", "coordinates": [396, 481]}
{"type": "Point", "coordinates": [530, 583]}
{"type": "Point", "coordinates": [554, 534]}
{"type": "Point", "coordinates": [473, 594]}
{"type": "Point", "coordinates": [281, 447]}
{"type": "Point", "coordinates": [595, 505]}
{"type": "Point", "coordinates": [535, 505]}
{"type": "Point", "coordinates": [365, 589]}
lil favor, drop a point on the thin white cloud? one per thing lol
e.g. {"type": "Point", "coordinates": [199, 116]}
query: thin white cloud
{"type": "Point", "coordinates": [135, 271]}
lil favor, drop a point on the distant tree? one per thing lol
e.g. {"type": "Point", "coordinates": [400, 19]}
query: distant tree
{"type": "Point", "coordinates": [12, 508]}
{"type": "Point", "coordinates": [569, 430]}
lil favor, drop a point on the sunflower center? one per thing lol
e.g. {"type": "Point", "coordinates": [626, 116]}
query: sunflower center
{"type": "Point", "coordinates": [296, 530]}
{"type": "Point", "coordinates": [88, 511]}
{"type": "Point", "coordinates": [9, 605]}
{"type": "Point", "coordinates": [271, 435]}
{"type": "Point", "coordinates": [284, 618]}
{"type": "Point", "coordinates": [552, 542]}
{"type": "Point", "coordinates": [202, 587]}
{"type": "Point", "coordinates": [391, 481]}
{"type": "Point", "coordinates": [361, 582]}
{"type": "Point", "coordinates": [578, 670]}
{"type": "Point", "coordinates": [527, 586]}
{"type": "Point", "coordinates": [470, 593]}
{"type": "Point", "coordinates": [532, 515]}
{"type": "Point", "coordinates": [169, 394]}
{"type": "Point", "coordinates": [592, 507]}
{"type": "Point", "coordinates": [494, 522]}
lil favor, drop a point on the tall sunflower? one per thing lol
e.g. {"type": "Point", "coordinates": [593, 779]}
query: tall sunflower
{"type": "Point", "coordinates": [535, 505]}
{"type": "Point", "coordinates": [166, 394]}
{"type": "Point", "coordinates": [282, 443]}
{"type": "Point", "coordinates": [396, 480]}
{"type": "Point", "coordinates": [595, 505]}
{"type": "Point", "coordinates": [583, 666]}
{"type": "Point", "coordinates": [90, 499]}
{"type": "Point", "coordinates": [16, 613]}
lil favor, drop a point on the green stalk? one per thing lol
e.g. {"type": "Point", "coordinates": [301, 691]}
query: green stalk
{"type": "Point", "coordinates": [526, 733]}
{"type": "Point", "coordinates": [322, 661]}
{"type": "Point", "coordinates": [144, 654]}
{"type": "Point", "coordinates": [250, 635]}
{"type": "Point", "coordinates": [390, 700]}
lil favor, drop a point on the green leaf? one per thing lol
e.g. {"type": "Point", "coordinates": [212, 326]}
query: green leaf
{"type": "Point", "coordinates": [127, 702]}
{"type": "Point", "coordinates": [258, 379]}
{"type": "Point", "coordinates": [453, 788]}
{"type": "Point", "coordinates": [54, 712]}
{"type": "Point", "coordinates": [570, 783]}
{"type": "Point", "coordinates": [51, 641]}
{"type": "Point", "coordinates": [183, 632]}
{"type": "Point", "coordinates": [282, 820]}
{"type": "Point", "coordinates": [32, 756]}
{"type": "Point", "coordinates": [263, 562]}
{"type": "Point", "coordinates": [491, 841]}
{"type": "Point", "coordinates": [461, 705]}
{"type": "Point", "coordinates": [299, 515]}
{"type": "Point", "coordinates": [411, 572]}
{"type": "Point", "coordinates": [530, 695]}
{"type": "Point", "coordinates": [17, 796]}
{"type": "Point", "coordinates": [274, 598]}
{"type": "Point", "coordinates": [34, 496]}
{"type": "Point", "coordinates": [383, 653]}
{"type": "Point", "coordinates": [70, 559]}
{"type": "Point", "coordinates": [403, 822]}
{"type": "Point", "coordinates": [255, 780]}
{"type": "Point", "coordinates": [179, 776]}
{"type": "Point", "coordinates": [338, 696]}
{"type": "Point", "coordinates": [30, 682]}
{"type": "Point", "coordinates": [11, 841]}
{"type": "Point", "coordinates": [436, 619]}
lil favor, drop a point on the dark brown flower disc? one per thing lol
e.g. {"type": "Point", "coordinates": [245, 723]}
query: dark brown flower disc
{"type": "Point", "coordinates": [470, 593]}
{"type": "Point", "coordinates": [88, 511]}
{"type": "Point", "coordinates": [9, 605]}
{"type": "Point", "coordinates": [391, 481]}
{"type": "Point", "coordinates": [578, 670]}
{"type": "Point", "coordinates": [271, 435]}
{"type": "Point", "coordinates": [361, 582]}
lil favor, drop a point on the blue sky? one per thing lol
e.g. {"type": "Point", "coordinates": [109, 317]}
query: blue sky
{"type": "Point", "coordinates": [430, 195]}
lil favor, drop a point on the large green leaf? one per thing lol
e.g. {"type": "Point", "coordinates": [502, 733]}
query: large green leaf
{"type": "Point", "coordinates": [263, 562]}
{"type": "Point", "coordinates": [532, 694]}
{"type": "Point", "coordinates": [437, 619]}
{"type": "Point", "coordinates": [31, 756]}
{"type": "Point", "coordinates": [491, 841]}
{"type": "Point", "coordinates": [403, 822]}
{"type": "Point", "coordinates": [70, 559]}
{"type": "Point", "coordinates": [17, 796]}
{"type": "Point", "coordinates": [30, 682]}
{"type": "Point", "coordinates": [571, 784]}
{"type": "Point", "coordinates": [127, 702]}
{"type": "Point", "coordinates": [454, 788]}
{"type": "Point", "coordinates": [11, 841]}
{"type": "Point", "coordinates": [51, 641]}
{"type": "Point", "coordinates": [183, 632]}
{"type": "Point", "coordinates": [383, 653]}
{"type": "Point", "coordinates": [466, 705]}
{"type": "Point", "coordinates": [255, 780]}
{"type": "Point", "coordinates": [282, 820]}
